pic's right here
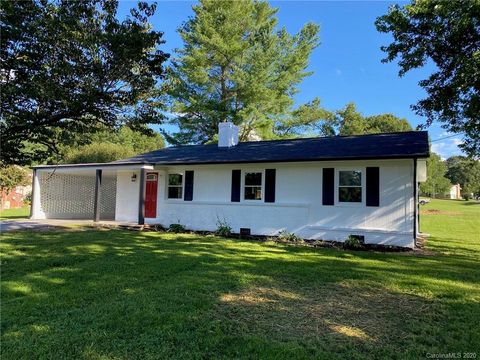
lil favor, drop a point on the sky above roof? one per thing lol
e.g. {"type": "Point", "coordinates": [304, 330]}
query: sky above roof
{"type": "Point", "coordinates": [346, 66]}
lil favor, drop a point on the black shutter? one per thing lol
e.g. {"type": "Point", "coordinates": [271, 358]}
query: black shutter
{"type": "Point", "coordinates": [328, 186]}
{"type": "Point", "coordinates": [270, 185]}
{"type": "Point", "coordinates": [236, 175]}
{"type": "Point", "coordinates": [373, 186]}
{"type": "Point", "coordinates": [188, 196]}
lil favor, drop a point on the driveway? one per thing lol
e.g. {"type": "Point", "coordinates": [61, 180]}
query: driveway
{"type": "Point", "coordinates": [47, 224]}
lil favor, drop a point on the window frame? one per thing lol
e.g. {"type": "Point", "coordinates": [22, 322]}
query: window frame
{"type": "Point", "coordinates": [338, 186]}
{"type": "Point", "coordinates": [178, 186]}
{"type": "Point", "coordinates": [262, 186]}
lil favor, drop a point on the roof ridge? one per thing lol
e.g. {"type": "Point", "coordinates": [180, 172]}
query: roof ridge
{"type": "Point", "coordinates": [337, 136]}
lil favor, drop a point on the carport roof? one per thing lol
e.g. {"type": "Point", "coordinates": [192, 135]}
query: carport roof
{"type": "Point", "coordinates": [402, 145]}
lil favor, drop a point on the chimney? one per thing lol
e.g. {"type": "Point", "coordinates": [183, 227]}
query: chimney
{"type": "Point", "coordinates": [227, 134]}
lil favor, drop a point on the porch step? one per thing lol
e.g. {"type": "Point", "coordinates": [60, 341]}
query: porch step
{"type": "Point", "coordinates": [132, 227]}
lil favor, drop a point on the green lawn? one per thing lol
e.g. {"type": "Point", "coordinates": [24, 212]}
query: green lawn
{"type": "Point", "coordinates": [130, 295]}
{"type": "Point", "coordinates": [10, 214]}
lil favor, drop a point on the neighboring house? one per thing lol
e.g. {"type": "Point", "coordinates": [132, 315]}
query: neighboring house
{"type": "Point", "coordinates": [15, 198]}
{"type": "Point", "coordinates": [455, 192]}
{"type": "Point", "coordinates": [318, 188]}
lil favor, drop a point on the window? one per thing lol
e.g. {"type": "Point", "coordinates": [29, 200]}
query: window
{"type": "Point", "coordinates": [175, 186]}
{"type": "Point", "coordinates": [350, 186]}
{"type": "Point", "coordinates": [253, 186]}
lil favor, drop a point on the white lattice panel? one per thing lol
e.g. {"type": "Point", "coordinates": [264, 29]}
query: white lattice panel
{"type": "Point", "coordinates": [66, 196]}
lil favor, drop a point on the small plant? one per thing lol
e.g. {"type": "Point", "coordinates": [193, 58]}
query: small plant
{"type": "Point", "coordinates": [27, 200]}
{"type": "Point", "coordinates": [176, 228]}
{"type": "Point", "coordinates": [289, 237]}
{"type": "Point", "coordinates": [223, 228]}
{"type": "Point", "coordinates": [353, 242]}
{"type": "Point", "coordinates": [158, 228]}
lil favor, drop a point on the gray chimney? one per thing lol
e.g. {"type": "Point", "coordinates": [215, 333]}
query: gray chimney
{"type": "Point", "coordinates": [227, 134]}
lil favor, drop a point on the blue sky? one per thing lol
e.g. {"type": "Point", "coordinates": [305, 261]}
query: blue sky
{"type": "Point", "coordinates": [347, 65]}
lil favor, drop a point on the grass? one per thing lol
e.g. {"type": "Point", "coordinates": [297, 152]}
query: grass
{"type": "Point", "coordinates": [10, 214]}
{"type": "Point", "coordinates": [130, 295]}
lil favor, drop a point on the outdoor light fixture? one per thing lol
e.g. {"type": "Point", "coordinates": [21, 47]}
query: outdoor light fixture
{"type": "Point", "coordinates": [134, 177]}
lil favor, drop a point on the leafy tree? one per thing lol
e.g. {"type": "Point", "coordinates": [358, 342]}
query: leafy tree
{"type": "Point", "coordinates": [98, 153]}
{"type": "Point", "coordinates": [236, 66]}
{"type": "Point", "coordinates": [70, 68]}
{"type": "Point", "coordinates": [466, 172]}
{"type": "Point", "coordinates": [447, 33]}
{"type": "Point", "coordinates": [12, 176]}
{"type": "Point", "coordinates": [437, 184]}
{"type": "Point", "coordinates": [137, 141]}
{"type": "Point", "coordinates": [351, 122]}
{"type": "Point", "coordinates": [109, 146]}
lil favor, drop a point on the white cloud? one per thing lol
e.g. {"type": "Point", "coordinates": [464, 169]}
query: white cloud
{"type": "Point", "coordinates": [448, 147]}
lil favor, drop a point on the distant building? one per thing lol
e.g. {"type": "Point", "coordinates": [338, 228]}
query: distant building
{"type": "Point", "coordinates": [455, 192]}
{"type": "Point", "coordinates": [15, 198]}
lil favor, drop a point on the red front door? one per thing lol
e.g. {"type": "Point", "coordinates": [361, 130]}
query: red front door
{"type": "Point", "coordinates": [151, 195]}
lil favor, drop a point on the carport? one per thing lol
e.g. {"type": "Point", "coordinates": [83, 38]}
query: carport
{"type": "Point", "coordinates": [84, 191]}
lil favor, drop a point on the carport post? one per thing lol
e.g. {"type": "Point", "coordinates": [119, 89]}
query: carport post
{"type": "Point", "coordinates": [141, 200]}
{"type": "Point", "coordinates": [98, 195]}
{"type": "Point", "coordinates": [34, 203]}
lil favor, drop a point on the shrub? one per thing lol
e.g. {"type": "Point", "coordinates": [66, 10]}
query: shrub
{"type": "Point", "coordinates": [27, 200]}
{"type": "Point", "coordinates": [158, 228]}
{"type": "Point", "coordinates": [289, 237]}
{"type": "Point", "coordinates": [353, 242]}
{"type": "Point", "coordinates": [176, 228]}
{"type": "Point", "coordinates": [223, 228]}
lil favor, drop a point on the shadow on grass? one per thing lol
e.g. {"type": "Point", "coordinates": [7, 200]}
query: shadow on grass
{"type": "Point", "coordinates": [113, 294]}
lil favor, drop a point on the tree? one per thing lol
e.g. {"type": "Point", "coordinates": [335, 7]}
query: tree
{"type": "Point", "coordinates": [466, 172]}
{"type": "Point", "coordinates": [351, 122]}
{"type": "Point", "coordinates": [138, 142]}
{"type": "Point", "coordinates": [98, 153]}
{"type": "Point", "coordinates": [437, 183]}
{"type": "Point", "coordinates": [12, 176]}
{"type": "Point", "coordinates": [69, 68]}
{"type": "Point", "coordinates": [108, 146]}
{"type": "Point", "coordinates": [236, 66]}
{"type": "Point", "coordinates": [447, 33]}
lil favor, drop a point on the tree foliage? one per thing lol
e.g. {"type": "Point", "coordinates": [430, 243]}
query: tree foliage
{"type": "Point", "coordinates": [137, 141]}
{"type": "Point", "coordinates": [236, 66]}
{"type": "Point", "coordinates": [70, 68]}
{"type": "Point", "coordinates": [12, 176]}
{"type": "Point", "coordinates": [466, 172]}
{"type": "Point", "coordinates": [98, 152]}
{"type": "Point", "coordinates": [437, 184]}
{"type": "Point", "coordinates": [108, 146]}
{"type": "Point", "coordinates": [349, 121]}
{"type": "Point", "coordinates": [447, 33]}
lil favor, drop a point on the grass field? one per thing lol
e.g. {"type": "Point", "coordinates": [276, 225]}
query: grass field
{"type": "Point", "coordinates": [10, 214]}
{"type": "Point", "coordinates": [130, 295]}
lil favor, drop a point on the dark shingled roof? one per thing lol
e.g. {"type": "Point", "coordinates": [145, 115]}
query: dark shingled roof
{"type": "Point", "coordinates": [412, 144]}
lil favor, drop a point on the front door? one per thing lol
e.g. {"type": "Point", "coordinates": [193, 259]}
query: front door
{"type": "Point", "coordinates": [151, 195]}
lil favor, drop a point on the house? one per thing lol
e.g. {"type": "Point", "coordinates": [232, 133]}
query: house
{"type": "Point", "coordinates": [14, 198]}
{"type": "Point", "coordinates": [318, 188]}
{"type": "Point", "coordinates": [455, 192]}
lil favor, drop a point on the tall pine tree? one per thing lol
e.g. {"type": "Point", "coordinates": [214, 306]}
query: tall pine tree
{"type": "Point", "coordinates": [236, 66]}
